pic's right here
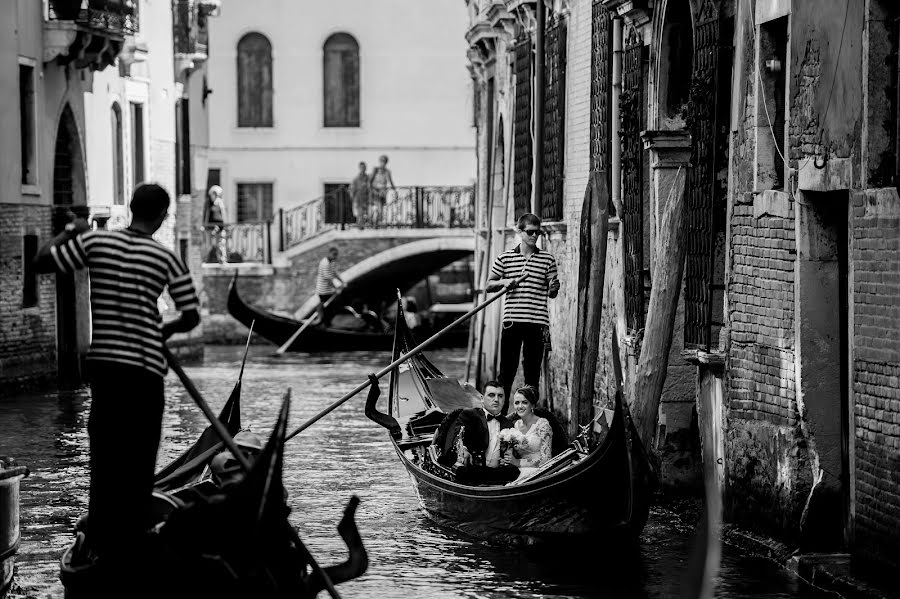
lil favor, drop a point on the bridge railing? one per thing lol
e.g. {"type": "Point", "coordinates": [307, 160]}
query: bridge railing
{"type": "Point", "coordinates": [239, 242]}
{"type": "Point", "coordinates": [404, 207]}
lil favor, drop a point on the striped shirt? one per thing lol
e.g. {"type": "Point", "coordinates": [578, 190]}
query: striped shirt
{"type": "Point", "coordinates": [325, 278]}
{"type": "Point", "coordinates": [528, 301]}
{"type": "Point", "coordinates": [128, 272]}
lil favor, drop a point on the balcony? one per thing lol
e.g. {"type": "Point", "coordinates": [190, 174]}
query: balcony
{"type": "Point", "coordinates": [88, 33]}
{"type": "Point", "coordinates": [189, 32]}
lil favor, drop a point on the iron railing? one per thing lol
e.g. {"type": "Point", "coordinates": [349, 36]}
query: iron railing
{"type": "Point", "coordinates": [117, 16]}
{"type": "Point", "coordinates": [238, 242]}
{"type": "Point", "coordinates": [405, 207]}
{"type": "Point", "coordinates": [188, 35]}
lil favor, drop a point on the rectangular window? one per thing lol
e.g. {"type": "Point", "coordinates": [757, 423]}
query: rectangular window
{"type": "Point", "coordinates": [183, 246]}
{"type": "Point", "coordinates": [254, 202]}
{"type": "Point", "coordinates": [338, 204]}
{"type": "Point", "coordinates": [29, 275]}
{"type": "Point", "coordinates": [137, 143]}
{"type": "Point", "coordinates": [26, 124]}
{"type": "Point", "coordinates": [770, 130]}
{"type": "Point", "coordinates": [183, 180]}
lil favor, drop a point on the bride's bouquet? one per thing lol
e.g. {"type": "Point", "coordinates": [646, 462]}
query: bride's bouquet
{"type": "Point", "coordinates": [509, 439]}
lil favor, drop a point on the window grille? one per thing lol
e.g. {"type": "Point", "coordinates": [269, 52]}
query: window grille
{"type": "Point", "coordinates": [522, 138]}
{"type": "Point", "coordinates": [554, 120]}
{"type": "Point", "coordinates": [709, 95]}
{"type": "Point", "coordinates": [254, 202]}
{"type": "Point", "coordinates": [601, 74]}
{"type": "Point", "coordinates": [632, 111]}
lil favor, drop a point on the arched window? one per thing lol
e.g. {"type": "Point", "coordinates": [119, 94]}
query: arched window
{"type": "Point", "coordinates": [117, 157]}
{"type": "Point", "coordinates": [341, 78]}
{"type": "Point", "coordinates": [254, 81]}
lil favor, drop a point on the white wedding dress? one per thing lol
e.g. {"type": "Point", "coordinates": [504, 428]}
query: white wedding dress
{"type": "Point", "coordinates": [535, 447]}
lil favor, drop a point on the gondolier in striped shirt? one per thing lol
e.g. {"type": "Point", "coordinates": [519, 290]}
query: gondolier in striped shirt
{"type": "Point", "coordinates": [128, 271]}
{"type": "Point", "coordinates": [325, 287]}
{"type": "Point", "coordinates": [532, 276]}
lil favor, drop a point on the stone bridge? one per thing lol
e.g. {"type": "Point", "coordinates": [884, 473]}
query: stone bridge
{"type": "Point", "coordinates": [373, 263]}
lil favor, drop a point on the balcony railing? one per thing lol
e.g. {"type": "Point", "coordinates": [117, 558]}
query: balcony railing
{"type": "Point", "coordinates": [189, 36]}
{"type": "Point", "coordinates": [116, 16]}
{"type": "Point", "coordinates": [238, 242]}
{"type": "Point", "coordinates": [405, 207]}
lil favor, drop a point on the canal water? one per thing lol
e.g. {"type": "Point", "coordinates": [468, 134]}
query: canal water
{"type": "Point", "coordinates": [345, 454]}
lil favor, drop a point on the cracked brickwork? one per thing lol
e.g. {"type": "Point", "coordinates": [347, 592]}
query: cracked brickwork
{"type": "Point", "coordinates": [28, 343]}
{"type": "Point", "coordinates": [875, 252]}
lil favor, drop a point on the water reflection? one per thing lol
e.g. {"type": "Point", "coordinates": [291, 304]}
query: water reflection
{"type": "Point", "coordinates": [344, 454]}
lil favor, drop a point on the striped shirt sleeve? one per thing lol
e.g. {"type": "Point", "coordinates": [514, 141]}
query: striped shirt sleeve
{"type": "Point", "coordinates": [71, 255]}
{"type": "Point", "coordinates": [181, 287]}
{"type": "Point", "coordinates": [497, 268]}
{"type": "Point", "coordinates": [551, 270]}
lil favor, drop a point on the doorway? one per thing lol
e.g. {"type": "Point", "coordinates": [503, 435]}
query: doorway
{"type": "Point", "coordinates": [72, 333]}
{"type": "Point", "coordinates": [823, 335]}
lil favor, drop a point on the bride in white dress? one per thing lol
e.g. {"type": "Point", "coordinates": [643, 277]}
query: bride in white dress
{"type": "Point", "coordinates": [534, 440]}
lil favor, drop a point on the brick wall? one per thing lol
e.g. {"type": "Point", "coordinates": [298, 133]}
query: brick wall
{"type": "Point", "coordinates": [767, 470]}
{"type": "Point", "coordinates": [875, 256]}
{"type": "Point", "coordinates": [27, 336]}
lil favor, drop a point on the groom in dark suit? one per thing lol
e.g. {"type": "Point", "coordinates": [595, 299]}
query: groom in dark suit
{"type": "Point", "coordinates": [476, 433]}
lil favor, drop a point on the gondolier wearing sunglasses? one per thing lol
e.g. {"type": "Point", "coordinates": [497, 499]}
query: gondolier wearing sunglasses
{"type": "Point", "coordinates": [128, 272]}
{"type": "Point", "coordinates": [532, 276]}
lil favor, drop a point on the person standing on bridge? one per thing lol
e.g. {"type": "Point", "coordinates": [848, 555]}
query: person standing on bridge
{"type": "Point", "coordinates": [325, 284]}
{"type": "Point", "coordinates": [531, 275]}
{"type": "Point", "coordinates": [359, 193]}
{"type": "Point", "coordinates": [379, 181]}
{"type": "Point", "coordinates": [126, 366]}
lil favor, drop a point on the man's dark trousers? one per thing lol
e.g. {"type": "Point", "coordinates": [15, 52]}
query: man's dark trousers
{"type": "Point", "coordinates": [527, 339]}
{"type": "Point", "coordinates": [124, 430]}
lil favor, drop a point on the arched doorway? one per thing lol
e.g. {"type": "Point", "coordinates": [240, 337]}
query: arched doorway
{"type": "Point", "coordinates": [71, 291]}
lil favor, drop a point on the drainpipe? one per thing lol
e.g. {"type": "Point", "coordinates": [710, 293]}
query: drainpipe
{"type": "Point", "coordinates": [538, 161]}
{"type": "Point", "coordinates": [616, 149]}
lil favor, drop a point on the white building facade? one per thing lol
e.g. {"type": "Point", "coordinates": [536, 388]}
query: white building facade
{"type": "Point", "coordinates": [302, 92]}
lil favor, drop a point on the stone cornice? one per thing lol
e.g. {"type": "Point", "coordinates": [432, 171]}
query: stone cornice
{"type": "Point", "coordinates": [635, 12]}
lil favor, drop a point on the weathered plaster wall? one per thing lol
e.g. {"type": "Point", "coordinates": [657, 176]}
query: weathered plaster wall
{"type": "Point", "coordinates": [825, 80]}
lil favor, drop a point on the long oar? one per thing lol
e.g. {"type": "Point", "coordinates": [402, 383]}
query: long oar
{"type": "Point", "coordinates": [413, 352]}
{"type": "Point", "coordinates": [238, 455]}
{"type": "Point", "coordinates": [308, 322]}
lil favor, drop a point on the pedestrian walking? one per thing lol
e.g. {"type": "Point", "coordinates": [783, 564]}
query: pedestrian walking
{"type": "Point", "coordinates": [532, 276]}
{"type": "Point", "coordinates": [379, 182]}
{"type": "Point", "coordinates": [325, 284]}
{"type": "Point", "coordinates": [128, 271]}
{"type": "Point", "coordinates": [359, 193]}
{"type": "Point", "coordinates": [214, 220]}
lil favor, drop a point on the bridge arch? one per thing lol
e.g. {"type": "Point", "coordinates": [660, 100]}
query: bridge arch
{"type": "Point", "coordinates": [402, 266]}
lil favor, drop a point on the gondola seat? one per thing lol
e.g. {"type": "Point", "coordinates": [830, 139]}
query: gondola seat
{"type": "Point", "coordinates": [445, 438]}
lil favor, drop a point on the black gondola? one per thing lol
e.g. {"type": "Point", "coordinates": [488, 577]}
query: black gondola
{"type": "Point", "coordinates": [236, 544]}
{"type": "Point", "coordinates": [582, 492]}
{"type": "Point", "coordinates": [278, 329]}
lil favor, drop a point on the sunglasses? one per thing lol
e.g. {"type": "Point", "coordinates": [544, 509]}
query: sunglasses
{"type": "Point", "coordinates": [530, 232]}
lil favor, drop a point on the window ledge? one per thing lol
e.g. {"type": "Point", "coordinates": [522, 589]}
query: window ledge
{"type": "Point", "coordinates": [29, 189]}
{"type": "Point", "coordinates": [556, 226]}
{"type": "Point", "coordinates": [699, 357]}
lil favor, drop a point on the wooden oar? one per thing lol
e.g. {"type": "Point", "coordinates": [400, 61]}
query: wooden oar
{"type": "Point", "coordinates": [308, 322]}
{"type": "Point", "coordinates": [413, 352]}
{"type": "Point", "coordinates": [246, 350]}
{"type": "Point", "coordinates": [226, 438]}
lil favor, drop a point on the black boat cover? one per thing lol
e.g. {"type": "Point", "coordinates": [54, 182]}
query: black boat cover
{"type": "Point", "coordinates": [448, 395]}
